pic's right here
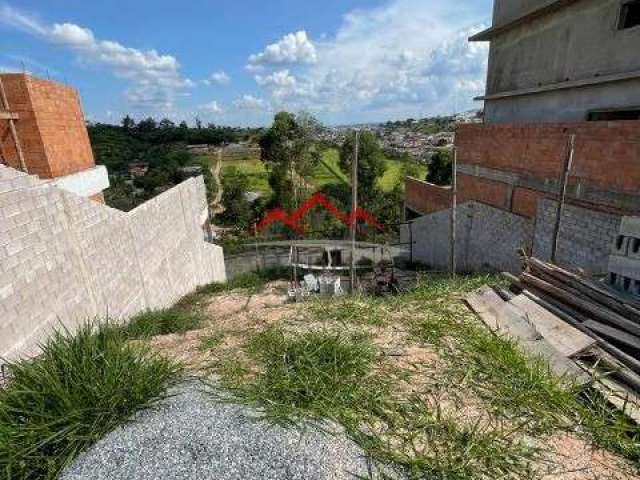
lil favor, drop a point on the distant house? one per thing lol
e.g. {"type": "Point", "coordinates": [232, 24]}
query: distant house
{"type": "Point", "coordinates": [191, 170]}
{"type": "Point", "coordinates": [199, 149]}
{"type": "Point", "coordinates": [138, 169]}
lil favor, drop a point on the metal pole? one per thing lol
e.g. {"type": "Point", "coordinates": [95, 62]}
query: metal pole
{"type": "Point", "coordinates": [411, 243]}
{"type": "Point", "coordinates": [454, 207]}
{"type": "Point", "coordinates": [563, 196]}
{"type": "Point", "coordinates": [12, 127]}
{"type": "Point", "coordinates": [255, 230]}
{"type": "Point", "coordinates": [354, 208]}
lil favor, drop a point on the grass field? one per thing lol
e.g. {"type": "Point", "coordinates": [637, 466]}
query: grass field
{"type": "Point", "coordinates": [326, 172]}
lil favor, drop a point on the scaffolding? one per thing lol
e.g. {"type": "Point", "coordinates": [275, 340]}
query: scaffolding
{"type": "Point", "coordinates": [11, 117]}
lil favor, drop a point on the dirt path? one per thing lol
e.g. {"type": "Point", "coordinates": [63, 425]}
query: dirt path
{"type": "Point", "coordinates": [216, 206]}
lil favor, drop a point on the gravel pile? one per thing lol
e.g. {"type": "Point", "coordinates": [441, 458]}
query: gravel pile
{"type": "Point", "coordinates": [189, 436]}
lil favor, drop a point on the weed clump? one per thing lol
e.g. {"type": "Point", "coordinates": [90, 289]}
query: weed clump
{"type": "Point", "coordinates": [162, 322]}
{"type": "Point", "coordinates": [81, 387]}
{"type": "Point", "coordinates": [316, 374]}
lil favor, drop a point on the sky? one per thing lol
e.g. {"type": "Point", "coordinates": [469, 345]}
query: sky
{"type": "Point", "coordinates": [238, 62]}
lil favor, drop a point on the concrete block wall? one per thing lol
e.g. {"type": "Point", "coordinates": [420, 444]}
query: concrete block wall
{"type": "Point", "coordinates": [624, 263]}
{"type": "Point", "coordinates": [585, 237]}
{"type": "Point", "coordinates": [487, 238]}
{"type": "Point", "coordinates": [65, 258]}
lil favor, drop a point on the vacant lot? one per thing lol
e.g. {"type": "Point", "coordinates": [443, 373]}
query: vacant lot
{"type": "Point", "coordinates": [326, 172]}
{"type": "Point", "coordinates": [416, 380]}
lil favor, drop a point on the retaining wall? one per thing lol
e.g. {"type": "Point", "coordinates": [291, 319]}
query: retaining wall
{"type": "Point", "coordinates": [65, 258]}
{"type": "Point", "coordinates": [487, 238]}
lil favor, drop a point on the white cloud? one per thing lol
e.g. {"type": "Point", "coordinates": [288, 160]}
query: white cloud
{"type": "Point", "coordinates": [154, 79]}
{"type": "Point", "coordinates": [294, 48]}
{"type": "Point", "coordinates": [212, 107]}
{"type": "Point", "coordinates": [16, 19]}
{"type": "Point", "coordinates": [219, 78]}
{"type": "Point", "coordinates": [249, 102]}
{"type": "Point", "coordinates": [280, 79]}
{"type": "Point", "coordinates": [406, 58]}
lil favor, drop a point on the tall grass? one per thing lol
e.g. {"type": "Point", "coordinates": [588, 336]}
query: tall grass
{"type": "Point", "coordinates": [341, 377]}
{"type": "Point", "coordinates": [513, 385]}
{"type": "Point", "coordinates": [81, 387]}
{"type": "Point", "coordinates": [316, 374]}
{"type": "Point", "coordinates": [162, 322]}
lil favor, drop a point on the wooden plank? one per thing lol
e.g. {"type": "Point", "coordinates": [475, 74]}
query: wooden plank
{"type": "Point", "coordinates": [9, 116]}
{"type": "Point", "coordinates": [566, 339]}
{"type": "Point", "coordinates": [499, 316]}
{"type": "Point", "coordinates": [595, 287]}
{"type": "Point", "coordinates": [579, 289]}
{"type": "Point", "coordinates": [627, 402]}
{"type": "Point", "coordinates": [508, 321]}
{"type": "Point", "coordinates": [577, 320]}
{"type": "Point", "coordinates": [614, 334]}
{"type": "Point", "coordinates": [595, 310]}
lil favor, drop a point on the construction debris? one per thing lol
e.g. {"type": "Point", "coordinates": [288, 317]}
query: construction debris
{"type": "Point", "coordinates": [589, 332]}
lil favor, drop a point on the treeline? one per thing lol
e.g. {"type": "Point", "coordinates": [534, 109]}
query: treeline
{"type": "Point", "coordinates": [429, 125]}
{"type": "Point", "coordinates": [149, 141]}
{"type": "Point", "coordinates": [161, 146]}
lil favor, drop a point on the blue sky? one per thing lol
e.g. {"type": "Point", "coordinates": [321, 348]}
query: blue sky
{"type": "Point", "coordinates": [237, 62]}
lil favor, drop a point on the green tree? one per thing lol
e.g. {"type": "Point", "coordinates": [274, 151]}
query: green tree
{"type": "Point", "coordinates": [237, 209]}
{"type": "Point", "coordinates": [371, 163]}
{"type": "Point", "coordinates": [290, 154]}
{"type": "Point", "coordinates": [128, 123]}
{"type": "Point", "coordinates": [440, 169]}
{"type": "Point", "coordinates": [147, 125]}
{"type": "Point", "coordinates": [166, 124]}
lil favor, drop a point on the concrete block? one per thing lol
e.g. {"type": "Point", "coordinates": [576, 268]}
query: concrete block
{"type": "Point", "coordinates": [630, 227]}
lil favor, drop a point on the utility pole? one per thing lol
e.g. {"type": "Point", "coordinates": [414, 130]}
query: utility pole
{"type": "Point", "coordinates": [454, 213]}
{"type": "Point", "coordinates": [354, 208]}
{"type": "Point", "coordinates": [568, 165]}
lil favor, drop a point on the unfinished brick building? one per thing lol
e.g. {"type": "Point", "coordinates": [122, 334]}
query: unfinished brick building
{"type": "Point", "coordinates": [52, 140]}
{"type": "Point", "coordinates": [556, 69]}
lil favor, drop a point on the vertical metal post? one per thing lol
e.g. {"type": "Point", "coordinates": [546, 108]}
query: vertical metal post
{"type": "Point", "coordinates": [12, 127]}
{"type": "Point", "coordinates": [255, 231]}
{"type": "Point", "coordinates": [411, 243]}
{"type": "Point", "coordinates": [454, 213]}
{"type": "Point", "coordinates": [568, 164]}
{"type": "Point", "coordinates": [354, 208]}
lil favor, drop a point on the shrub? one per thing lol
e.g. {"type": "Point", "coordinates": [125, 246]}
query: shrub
{"type": "Point", "coordinates": [81, 387]}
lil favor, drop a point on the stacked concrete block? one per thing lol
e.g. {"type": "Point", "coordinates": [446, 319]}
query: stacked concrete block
{"type": "Point", "coordinates": [624, 263]}
{"type": "Point", "coordinates": [65, 259]}
{"type": "Point", "coordinates": [487, 238]}
{"type": "Point", "coordinates": [585, 236]}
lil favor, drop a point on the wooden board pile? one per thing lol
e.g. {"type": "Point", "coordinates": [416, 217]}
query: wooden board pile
{"type": "Point", "coordinates": [588, 332]}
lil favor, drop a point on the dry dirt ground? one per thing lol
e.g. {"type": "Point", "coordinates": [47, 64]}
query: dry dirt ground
{"type": "Point", "coordinates": [233, 317]}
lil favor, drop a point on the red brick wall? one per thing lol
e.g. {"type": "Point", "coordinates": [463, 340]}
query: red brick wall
{"type": "Point", "coordinates": [481, 190]}
{"type": "Point", "coordinates": [525, 202]}
{"type": "Point", "coordinates": [607, 154]}
{"type": "Point", "coordinates": [51, 127]}
{"type": "Point", "coordinates": [426, 197]}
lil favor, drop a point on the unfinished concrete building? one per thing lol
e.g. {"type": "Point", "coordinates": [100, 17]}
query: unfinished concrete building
{"type": "Point", "coordinates": [557, 69]}
{"type": "Point", "coordinates": [563, 60]}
